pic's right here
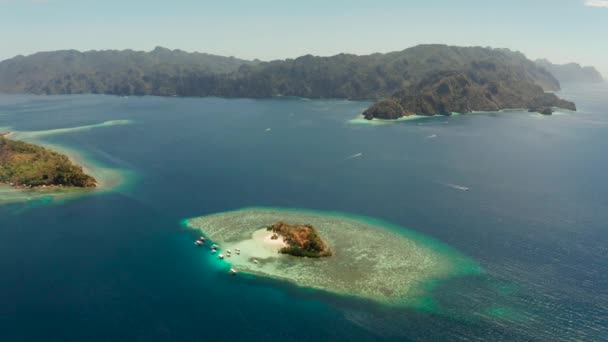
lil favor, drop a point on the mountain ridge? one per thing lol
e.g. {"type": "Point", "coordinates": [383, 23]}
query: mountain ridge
{"type": "Point", "coordinates": [425, 79]}
{"type": "Point", "coordinates": [572, 72]}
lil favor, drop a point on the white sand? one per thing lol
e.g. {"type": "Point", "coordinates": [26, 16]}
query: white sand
{"type": "Point", "coordinates": [259, 247]}
{"type": "Point", "coordinates": [265, 237]}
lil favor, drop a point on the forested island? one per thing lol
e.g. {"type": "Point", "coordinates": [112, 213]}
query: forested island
{"type": "Point", "coordinates": [25, 165]}
{"type": "Point", "coordinates": [301, 240]}
{"type": "Point", "coordinates": [423, 80]}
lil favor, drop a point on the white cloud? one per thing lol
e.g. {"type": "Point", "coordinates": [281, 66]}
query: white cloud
{"type": "Point", "coordinates": [597, 3]}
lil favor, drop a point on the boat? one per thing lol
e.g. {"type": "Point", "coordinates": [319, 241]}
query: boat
{"type": "Point", "coordinates": [213, 251]}
{"type": "Point", "coordinates": [198, 243]}
{"type": "Point", "coordinates": [255, 261]}
{"type": "Point", "coordinates": [233, 271]}
{"type": "Point", "coordinates": [221, 256]}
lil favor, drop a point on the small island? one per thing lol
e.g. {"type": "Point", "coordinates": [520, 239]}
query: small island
{"type": "Point", "coordinates": [343, 254]}
{"type": "Point", "coordinates": [301, 240]}
{"type": "Point", "coordinates": [24, 165]}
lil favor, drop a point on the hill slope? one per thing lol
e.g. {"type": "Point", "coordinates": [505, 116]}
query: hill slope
{"type": "Point", "coordinates": [124, 72]}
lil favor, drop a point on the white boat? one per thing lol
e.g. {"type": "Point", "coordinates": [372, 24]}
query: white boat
{"type": "Point", "coordinates": [233, 271]}
{"type": "Point", "coordinates": [221, 256]}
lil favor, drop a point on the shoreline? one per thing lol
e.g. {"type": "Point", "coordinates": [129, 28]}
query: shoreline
{"type": "Point", "coordinates": [361, 120]}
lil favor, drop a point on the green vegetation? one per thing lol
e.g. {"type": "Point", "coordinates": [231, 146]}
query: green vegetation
{"type": "Point", "coordinates": [302, 240]}
{"type": "Point", "coordinates": [426, 79]}
{"type": "Point", "coordinates": [27, 165]}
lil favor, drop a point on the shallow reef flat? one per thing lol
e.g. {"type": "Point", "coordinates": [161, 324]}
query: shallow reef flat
{"type": "Point", "coordinates": [372, 259]}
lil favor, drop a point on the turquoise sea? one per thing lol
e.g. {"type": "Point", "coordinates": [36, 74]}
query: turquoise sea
{"type": "Point", "coordinates": [120, 266]}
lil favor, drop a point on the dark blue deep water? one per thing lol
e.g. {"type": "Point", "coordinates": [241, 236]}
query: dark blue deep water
{"type": "Point", "coordinates": [120, 267]}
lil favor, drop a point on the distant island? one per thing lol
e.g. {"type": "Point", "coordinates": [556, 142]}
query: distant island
{"type": "Point", "coordinates": [301, 240]}
{"type": "Point", "coordinates": [423, 80]}
{"type": "Point", "coordinates": [571, 72]}
{"type": "Point", "coordinates": [24, 165]}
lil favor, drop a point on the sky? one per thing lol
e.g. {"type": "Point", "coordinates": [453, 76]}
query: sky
{"type": "Point", "coordinates": [560, 30]}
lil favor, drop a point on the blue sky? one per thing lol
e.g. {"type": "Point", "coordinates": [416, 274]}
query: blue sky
{"type": "Point", "coordinates": [561, 30]}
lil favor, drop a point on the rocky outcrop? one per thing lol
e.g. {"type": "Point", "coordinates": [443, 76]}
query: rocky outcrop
{"type": "Point", "coordinates": [385, 109]}
{"type": "Point", "coordinates": [542, 110]}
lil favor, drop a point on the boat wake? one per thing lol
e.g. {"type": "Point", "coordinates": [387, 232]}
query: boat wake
{"type": "Point", "coordinates": [455, 186]}
{"type": "Point", "coordinates": [357, 155]}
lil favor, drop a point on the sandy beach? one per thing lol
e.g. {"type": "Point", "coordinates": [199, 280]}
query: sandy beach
{"type": "Point", "coordinates": [264, 237]}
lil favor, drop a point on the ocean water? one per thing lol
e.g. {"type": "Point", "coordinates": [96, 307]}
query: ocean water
{"type": "Point", "coordinates": [119, 266]}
